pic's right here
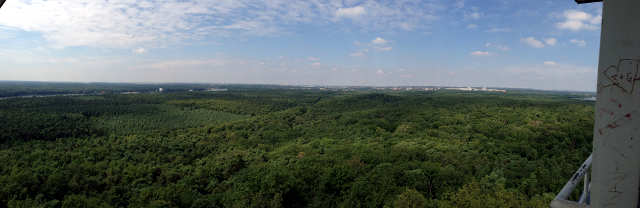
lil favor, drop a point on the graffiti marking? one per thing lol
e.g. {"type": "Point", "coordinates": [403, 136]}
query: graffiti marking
{"type": "Point", "coordinates": [623, 75]}
{"type": "Point", "coordinates": [626, 119]}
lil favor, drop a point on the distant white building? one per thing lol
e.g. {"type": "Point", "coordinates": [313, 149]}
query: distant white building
{"type": "Point", "coordinates": [216, 90]}
{"type": "Point", "coordinates": [160, 89]}
{"type": "Point", "coordinates": [461, 88]}
{"type": "Point", "coordinates": [485, 89]}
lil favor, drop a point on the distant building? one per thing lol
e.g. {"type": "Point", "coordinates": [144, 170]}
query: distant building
{"type": "Point", "coordinates": [216, 90]}
{"type": "Point", "coordinates": [484, 89]}
{"type": "Point", "coordinates": [461, 88]}
{"type": "Point", "coordinates": [160, 89]}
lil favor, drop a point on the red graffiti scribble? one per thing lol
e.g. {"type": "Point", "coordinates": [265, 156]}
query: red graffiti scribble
{"type": "Point", "coordinates": [607, 111]}
{"type": "Point", "coordinates": [622, 121]}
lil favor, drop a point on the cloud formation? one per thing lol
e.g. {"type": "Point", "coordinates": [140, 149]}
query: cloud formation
{"type": "Point", "coordinates": [473, 15]}
{"type": "Point", "coordinates": [497, 46]}
{"type": "Point", "coordinates": [480, 53]}
{"type": "Point", "coordinates": [128, 23]}
{"type": "Point", "coordinates": [358, 54]}
{"type": "Point", "coordinates": [551, 41]}
{"type": "Point", "coordinates": [576, 20]}
{"type": "Point", "coordinates": [498, 30]}
{"type": "Point", "coordinates": [384, 48]}
{"type": "Point", "coordinates": [140, 51]}
{"type": "Point", "coordinates": [352, 12]}
{"type": "Point", "coordinates": [580, 43]}
{"type": "Point", "coordinates": [533, 42]}
{"type": "Point", "coordinates": [379, 41]}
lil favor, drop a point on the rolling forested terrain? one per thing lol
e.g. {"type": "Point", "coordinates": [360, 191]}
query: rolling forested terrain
{"type": "Point", "coordinates": [291, 148]}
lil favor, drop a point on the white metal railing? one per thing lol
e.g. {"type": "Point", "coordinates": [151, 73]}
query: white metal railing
{"type": "Point", "coordinates": [562, 199]}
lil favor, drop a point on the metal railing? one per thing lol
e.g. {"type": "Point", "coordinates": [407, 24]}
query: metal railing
{"type": "Point", "coordinates": [562, 199]}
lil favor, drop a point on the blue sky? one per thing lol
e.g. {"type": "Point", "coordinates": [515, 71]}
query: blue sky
{"type": "Point", "coordinates": [542, 44]}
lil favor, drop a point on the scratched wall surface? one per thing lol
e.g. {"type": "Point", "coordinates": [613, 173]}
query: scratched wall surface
{"type": "Point", "coordinates": [616, 159]}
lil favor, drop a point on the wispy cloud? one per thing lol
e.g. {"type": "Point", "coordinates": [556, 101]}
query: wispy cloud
{"type": "Point", "coordinates": [378, 44]}
{"type": "Point", "coordinates": [352, 12]}
{"type": "Point", "coordinates": [498, 30]}
{"type": "Point", "coordinates": [576, 20]}
{"type": "Point", "coordinates": [577, 42]}
{"type": "Point", "coordinates": [497, 46]}
{"type": "Point", "coordinates": [533, 42]}
{"type": "Point", "coordinates": [481, 53]}
{"type": "Point", "coordinates": [140, 51]}
{"type": "Point", "coordinates": [385, 48]}
{"type": "Point", "coordinates": [128, 24]}
{"type": "Point", "coordinates": [551, 41]}
{"type": "Point", "coordinates": [473, 15]}
{"type": "Point", "coordinates": [379, 41]}
{"type": "Point", "coordinates": [358, 54]}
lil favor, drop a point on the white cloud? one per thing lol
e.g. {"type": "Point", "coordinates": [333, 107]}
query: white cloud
{"type": "Point", "coordinates": [497, 46]}
{"type": "Point", "coordinates": [551, 41]}
{"type": "Point", "coordinates": [140, 50]}
{"type": "Point", "coordinates": [311, 58]}
{"type": "Point", "coordinates": [388, 48]}
{"type": "Point", "coordinates": [472, 26]}
{"type": "Point", "coordinates": [550, 63]}
{"type": "Point", "coordinates": [533, 42]}
{"type": "Point", "coordinates": [580, 43]}
{"type": "Point", "coordinates": [377, 44]}
{"type": "Point", "coordinates": [380, 72]}
{"type": "Point", "coordinates": [498, 30]}
{"type": "Point", "coordinates": [352, 12]}
{"type": "Point", "coordinates": [578, 20]}
{"type": "Point", "coordinates": [316, 64]}
{"type": "Point", "coordinates": [480, 53]}
{"type": "Point", "coordinates": [473, 15]}
{"type": "Point", "coordinates": [132, 24]}
{"type": "Point", "coordinates": [379, 41]}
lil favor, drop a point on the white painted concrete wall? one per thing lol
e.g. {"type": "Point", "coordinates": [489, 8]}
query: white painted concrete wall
{"type": "Point", "coordinates": [616, 157]}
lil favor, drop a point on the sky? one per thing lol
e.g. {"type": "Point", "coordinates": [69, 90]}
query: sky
{"type": "Point", "coordinates": [540, 44]}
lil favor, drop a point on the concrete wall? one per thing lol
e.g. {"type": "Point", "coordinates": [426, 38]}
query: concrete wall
{"type": "Point", "coordinates": [616, 157]}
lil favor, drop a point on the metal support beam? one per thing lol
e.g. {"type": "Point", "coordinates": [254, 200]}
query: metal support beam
{"type": "Point", "coordinates": [575, 179]}
{"type": "Point", "coordinates": [559, 203]}
{"type": "Point", "coordinates": [1, 3]}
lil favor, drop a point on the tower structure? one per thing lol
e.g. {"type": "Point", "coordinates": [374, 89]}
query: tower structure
{"type": "Point", "coordinates": [615, 171]}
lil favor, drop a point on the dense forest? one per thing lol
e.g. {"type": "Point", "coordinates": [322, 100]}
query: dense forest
{"type": "Point", "coordinates": [257, 147]}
